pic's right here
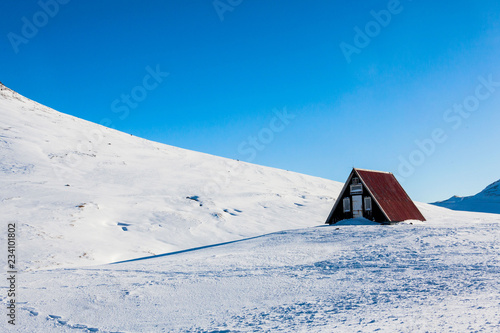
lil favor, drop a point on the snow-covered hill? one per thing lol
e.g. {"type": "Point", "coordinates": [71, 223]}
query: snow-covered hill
{"type": "Point", "coordinates": [83, 194]}
{"type": "Point", "coordinates": [487, 201]}
{"type": "Point", "coordinates": [84, 197]}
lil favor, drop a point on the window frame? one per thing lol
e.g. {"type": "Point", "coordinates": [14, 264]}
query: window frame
{"type": "Point", "coordinates": [368, 199]}
{"type": "Point", "coordinates": [346, 202]}
{"type": "Point", "coordinates": [356, 189]}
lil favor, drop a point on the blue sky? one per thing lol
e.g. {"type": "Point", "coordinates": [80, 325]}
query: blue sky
{"type": "Point", "coordinates": [313, 87]}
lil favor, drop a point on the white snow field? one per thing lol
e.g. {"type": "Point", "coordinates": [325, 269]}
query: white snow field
{"type": "Point", "coordinates": [280, 269]}
{"type": "Point", "coordinates": [439, 276]}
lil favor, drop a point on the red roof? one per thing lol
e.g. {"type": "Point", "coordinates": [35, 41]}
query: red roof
{"type": "Point", "coordinates": [389, 194]}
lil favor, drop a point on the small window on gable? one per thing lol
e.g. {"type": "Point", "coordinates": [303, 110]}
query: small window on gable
{"type": "Point", "coordinates": [347, 205]}
{"type": "Point", "coordinates": [368, 203]}
{"type": "Point", "coordinates": [356, 189]}
{"type": "Point", "coordinates": [355, 181]}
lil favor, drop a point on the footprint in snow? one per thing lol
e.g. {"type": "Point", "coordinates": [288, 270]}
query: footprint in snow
{"type": "Point", "coordinates": [123, 225]}
{"type": "Point", "coordinates": [80, 327]}
{"type": "Point", "coordinates": [63, 322]}
{"type": "Point", "coordinates": [32, 311]}
{"type": "Point", "coordinates": [58, 319]}
{"type": "Point", "coordinates": [227, 211]}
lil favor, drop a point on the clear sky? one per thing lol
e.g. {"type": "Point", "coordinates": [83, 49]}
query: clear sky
{"type": "Point", "coordinates": [317, 87]}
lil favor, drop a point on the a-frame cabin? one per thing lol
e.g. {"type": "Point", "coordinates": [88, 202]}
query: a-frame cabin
{"type": "Point", "coordinates": [376, 196]}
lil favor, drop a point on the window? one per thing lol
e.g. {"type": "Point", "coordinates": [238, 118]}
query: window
{"type": "Point", "coordinates": [347, 205]}
{"type": "Point", "coordinates": [356, 189]}
{"type": "Point", "coordinates": [368, 203]}
{"type": "Point", "coordinates": [355, 181]}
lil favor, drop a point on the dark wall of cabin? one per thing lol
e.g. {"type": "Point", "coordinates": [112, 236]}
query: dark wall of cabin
{"type": "Point", "coordinates": [378, 216]}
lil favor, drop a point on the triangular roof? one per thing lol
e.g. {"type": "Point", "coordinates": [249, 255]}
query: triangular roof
{"type": "Point", "coordinates": [387, 193]}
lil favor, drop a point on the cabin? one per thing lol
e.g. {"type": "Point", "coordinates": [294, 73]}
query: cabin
{"type": "Point", "coordinates": [376, 196]}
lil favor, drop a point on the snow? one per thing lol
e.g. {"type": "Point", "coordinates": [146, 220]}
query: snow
{"type": "Point", "coordinates": [435, 276]}
{"type": "Point", "coordinates": [144, 240]}
{"type": "Point", "coordinates": [356, 221]}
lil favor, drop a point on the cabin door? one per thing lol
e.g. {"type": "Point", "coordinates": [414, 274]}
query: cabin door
{"type": "Point", "coordinates": [357, 206]}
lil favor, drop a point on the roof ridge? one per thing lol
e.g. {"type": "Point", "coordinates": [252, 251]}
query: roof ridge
{"type": "Point", "coordinates": [372, 170]}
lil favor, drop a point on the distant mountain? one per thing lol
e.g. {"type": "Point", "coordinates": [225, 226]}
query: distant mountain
{"type": "Point", "coordinates": [486, 201]}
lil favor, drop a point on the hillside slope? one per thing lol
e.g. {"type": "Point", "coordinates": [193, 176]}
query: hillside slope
{"type": "Point", "coordinates": [486, 201]}
{"type": "Point", "coordinates": [83, 194]}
